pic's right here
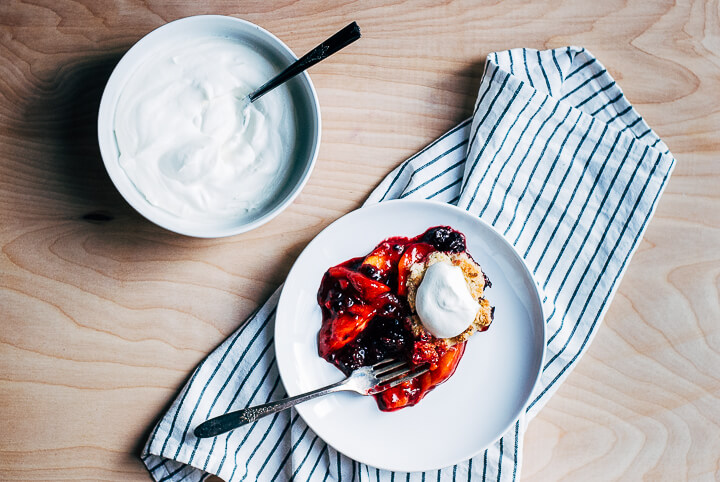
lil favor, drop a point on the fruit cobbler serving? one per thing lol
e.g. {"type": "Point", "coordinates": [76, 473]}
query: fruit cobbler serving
{"type": "Point", "coordinates": [416, 299]}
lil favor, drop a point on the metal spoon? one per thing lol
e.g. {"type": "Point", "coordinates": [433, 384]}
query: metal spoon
{"type": "Point", "coordinates": [340, 40]}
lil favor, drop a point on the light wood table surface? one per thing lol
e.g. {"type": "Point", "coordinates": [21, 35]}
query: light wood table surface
{"type": "Point", "coordinates": [103, 315]}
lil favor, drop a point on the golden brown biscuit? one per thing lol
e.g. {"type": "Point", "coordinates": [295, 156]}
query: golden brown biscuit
{"type": "Point", "coordinates": [476, 282]}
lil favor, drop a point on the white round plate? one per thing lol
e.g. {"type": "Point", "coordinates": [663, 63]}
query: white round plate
{"type": "Point", "coordinates": [461, 417]}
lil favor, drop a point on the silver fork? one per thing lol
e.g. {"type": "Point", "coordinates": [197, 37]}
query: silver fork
{"type": "Point", "coordinates": [364, 380]}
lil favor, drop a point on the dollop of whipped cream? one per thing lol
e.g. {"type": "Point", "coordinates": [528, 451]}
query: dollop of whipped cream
{"type": "Point", "coordinates": [190, 141]}
{"type": "Point", "coordinates": [444, 303]}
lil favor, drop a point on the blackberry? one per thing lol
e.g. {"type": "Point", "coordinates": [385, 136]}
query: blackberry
{"type": "Point", "coordinates": [444, 238]}
{"type": "Point", "coordinates": [392, 307]}
{"type": "Point", "coordinates": [355, 357]}
{"type": "Point", "coordinates": [371, 272]}
{"type": "Point", "coordinates": [339, 301]}
{"type": "Point", "coordinates": [373, 355]}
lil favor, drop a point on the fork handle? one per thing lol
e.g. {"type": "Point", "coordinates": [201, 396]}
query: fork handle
{"type": "Point", "coordinates": [225, 423]}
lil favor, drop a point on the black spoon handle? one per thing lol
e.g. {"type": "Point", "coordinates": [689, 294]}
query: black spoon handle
{"type": "Point", "coordinates": [340, 40]}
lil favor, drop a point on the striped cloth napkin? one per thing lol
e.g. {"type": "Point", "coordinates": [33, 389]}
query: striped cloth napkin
{"type": "Point", "coordinates": [559, 162]}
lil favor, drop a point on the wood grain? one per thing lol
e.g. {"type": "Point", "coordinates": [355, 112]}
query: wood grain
{"type": "Point", "coordinates": [104, 315]}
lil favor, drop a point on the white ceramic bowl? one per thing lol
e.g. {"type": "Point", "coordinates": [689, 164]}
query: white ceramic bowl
{"type": "Point", "coordinates": [305, 102]}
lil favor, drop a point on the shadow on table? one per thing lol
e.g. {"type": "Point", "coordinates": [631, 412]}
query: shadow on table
{"type": "Point", "coordinates": [60, 122]}
{"type": "Point", "coordinates": [458, 92]}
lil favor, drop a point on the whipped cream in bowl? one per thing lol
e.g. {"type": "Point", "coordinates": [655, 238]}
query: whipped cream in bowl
{"type": "Point", "coordinates": [182, 143]}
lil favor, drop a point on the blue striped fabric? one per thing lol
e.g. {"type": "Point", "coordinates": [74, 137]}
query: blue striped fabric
{"type": "Point", "coordinates": [556, 158]}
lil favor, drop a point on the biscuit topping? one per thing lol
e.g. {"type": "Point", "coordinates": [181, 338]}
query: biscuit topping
{"type": "Point", "coordinates": [444, 303]}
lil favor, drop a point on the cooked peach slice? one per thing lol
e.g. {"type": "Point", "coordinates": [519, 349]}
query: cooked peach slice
{"type": "Point", "coordinates": [413, 254]}
{"type": "Point", "coordinates": [368, 288]}
{"type": "Point", "coordinates": [338, 332]}
{"type": "Point", "coordinates": [385, 255]}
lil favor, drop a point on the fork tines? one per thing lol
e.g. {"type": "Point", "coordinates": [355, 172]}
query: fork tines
{"type": "Point", "coordinates": [390, 373]}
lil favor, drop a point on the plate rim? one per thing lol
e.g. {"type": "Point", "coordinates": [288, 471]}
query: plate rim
{"type": "Point", "coordinates": [537, 302]}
